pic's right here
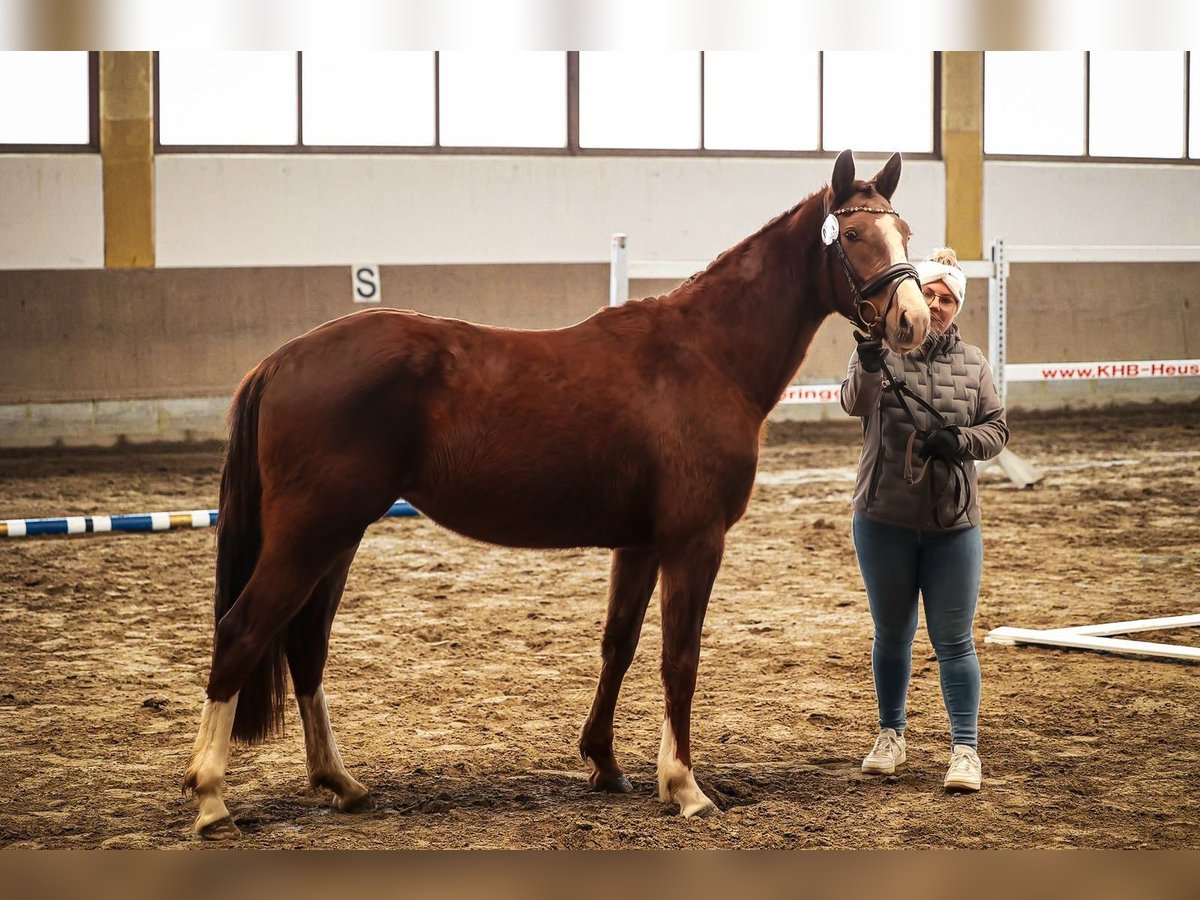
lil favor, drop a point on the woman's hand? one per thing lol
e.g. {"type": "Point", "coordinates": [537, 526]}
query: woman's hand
{"type": "Point", "coordinates": [942, 444]}
{"type": "Point", "coordinates": [870, 353]}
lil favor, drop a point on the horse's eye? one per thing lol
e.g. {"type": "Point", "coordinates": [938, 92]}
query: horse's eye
{"type": "Point", "coordinates": [851, 234]}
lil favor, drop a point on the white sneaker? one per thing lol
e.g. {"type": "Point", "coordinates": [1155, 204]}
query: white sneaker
{"type": "Point", "coordinates": [886, 755]}
{"type": "Point", "coordinates": [966, 772]}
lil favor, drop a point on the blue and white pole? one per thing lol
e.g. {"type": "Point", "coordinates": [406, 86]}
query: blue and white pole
{"type": "Point", "coordinates": [159, 521]}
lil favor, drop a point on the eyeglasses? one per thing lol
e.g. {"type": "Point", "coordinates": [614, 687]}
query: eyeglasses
{"type": "Point", "coordinates": [932, 297]}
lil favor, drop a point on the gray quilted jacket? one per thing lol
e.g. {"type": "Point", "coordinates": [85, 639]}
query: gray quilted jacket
{"type": "Point", "coordinates": [956, 379]}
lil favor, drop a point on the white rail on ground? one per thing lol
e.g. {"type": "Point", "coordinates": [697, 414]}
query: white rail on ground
{"type": "Point", "coordinates": [1096, 637]}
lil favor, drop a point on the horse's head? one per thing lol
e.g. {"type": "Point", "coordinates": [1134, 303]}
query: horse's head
{"type": "Point", "coordinates": [866, 245]}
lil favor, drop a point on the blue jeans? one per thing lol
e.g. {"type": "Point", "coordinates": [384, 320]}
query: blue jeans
{"type": "Point", "coordinates": [944, 567]}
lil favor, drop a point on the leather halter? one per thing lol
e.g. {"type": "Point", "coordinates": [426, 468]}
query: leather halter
{"type": "Point", "coordinates": [893, 275]}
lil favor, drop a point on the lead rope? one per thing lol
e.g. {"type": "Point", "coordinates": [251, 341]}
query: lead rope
{"type": "Point", "coordinates": [956, 470]}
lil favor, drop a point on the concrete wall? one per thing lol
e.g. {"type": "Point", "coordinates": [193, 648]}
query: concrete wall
{"type": "Point", "coordinates": [51, 212]}
{"type": "Point", "coordinates": [120, 335]}
{"type": "Point", "coordinates": [257, 210]}
{"type": "Point", "coordinates": [328, 210]}
{"type": "Point", "coordinates": [1090, 203]}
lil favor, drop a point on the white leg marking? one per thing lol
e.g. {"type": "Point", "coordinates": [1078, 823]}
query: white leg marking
{"type": "Point", "coordinates": [676, 781]}
{"type": "Point", "coordinates": [325, 766]}
{"type": "Point", "coordinates": [210, 756]}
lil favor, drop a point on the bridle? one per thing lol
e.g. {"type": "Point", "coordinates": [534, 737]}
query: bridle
{"type": "Point", "coordinates": [893, 275]}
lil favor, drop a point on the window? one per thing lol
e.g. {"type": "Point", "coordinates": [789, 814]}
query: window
{"type": "Point", "coordinates": [503, 99]}
{"type": "Point", "coordinates": [231, 98]}
{"type": "Point", "coordinates": [368, 99]}
{"type": "Point", "coordinates": [1098, 104]}
{"type": "Point", "coordinates": [762, 101]}
{"type": "Point", "coordinates": [647, 100]}
{"type": "Point", "coordinates": [1137, 104]}
{"type": "Point", "coordinates": [878, 101]}
{"type": "Point", "coordinates": [45, 98]}
{"type": "Point", "coordinates": [546, 101]}
{"type": "Point", "coordinates": [1035, 102]}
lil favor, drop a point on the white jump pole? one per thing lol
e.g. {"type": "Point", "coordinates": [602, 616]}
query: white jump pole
{"type": "Point", "coordinates": [1095, 637]}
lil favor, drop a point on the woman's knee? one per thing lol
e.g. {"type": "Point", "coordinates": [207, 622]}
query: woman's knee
{"type": "Point", "coordinates": [897, 639]}
{"type": "Point", "coordinates": [948, 649]}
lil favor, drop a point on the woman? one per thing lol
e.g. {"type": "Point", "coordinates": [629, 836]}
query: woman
{"type": "Point", "coordinates": [916, 513]}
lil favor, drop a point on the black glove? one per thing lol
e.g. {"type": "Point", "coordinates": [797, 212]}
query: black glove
{"type": "Point", "coordinates": [870, 353]}
{"type": "Point", "coordinates": [941, 444]}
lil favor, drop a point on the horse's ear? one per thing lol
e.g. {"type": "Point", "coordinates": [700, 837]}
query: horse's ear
{"type": "Point", "coordinates": [843, 177]}
{"type": "Point", "coordinates": [889, 176]}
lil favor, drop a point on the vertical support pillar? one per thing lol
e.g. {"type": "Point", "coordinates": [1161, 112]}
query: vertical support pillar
{"type": "Point", "coordinates": [127, 155]}
{"type": "Point", "coordinates": [962, 150]}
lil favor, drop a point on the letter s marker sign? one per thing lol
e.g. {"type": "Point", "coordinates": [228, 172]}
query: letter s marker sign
{"type": "Point", "coordinates": [365, 283]}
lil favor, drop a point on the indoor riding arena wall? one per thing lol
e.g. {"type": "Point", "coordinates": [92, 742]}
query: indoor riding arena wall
{"type": "Point", "coordinates": [94, 356]}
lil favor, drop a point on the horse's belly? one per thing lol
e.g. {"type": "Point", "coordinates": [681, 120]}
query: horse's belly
{"type": "Point", "coordinates": [517, 513]}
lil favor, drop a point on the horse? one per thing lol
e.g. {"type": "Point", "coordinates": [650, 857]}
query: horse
{"type": "Point", "coordinates": [637, 429]}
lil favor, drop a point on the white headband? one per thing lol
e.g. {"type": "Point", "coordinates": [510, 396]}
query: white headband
{"type": "Point", "coordinates": [952, 276]}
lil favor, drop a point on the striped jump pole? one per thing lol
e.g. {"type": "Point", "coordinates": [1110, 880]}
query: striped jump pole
{"type": "Point", "coordinates": [159, 521]}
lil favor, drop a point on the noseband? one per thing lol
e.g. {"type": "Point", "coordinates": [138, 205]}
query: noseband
{"type": "Point", "coordinates": [893, 274]}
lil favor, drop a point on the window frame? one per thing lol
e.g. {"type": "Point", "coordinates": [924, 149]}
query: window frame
{"type": "Point", "coordinates": [1185, 160]}
{"type": "Point", "coordinates": [571, 148]}
{"type": "Point", "coordinates": [93, 143]}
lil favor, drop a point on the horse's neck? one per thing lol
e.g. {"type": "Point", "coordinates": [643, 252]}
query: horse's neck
{"type": "Point", "coordinates": [760, 307]}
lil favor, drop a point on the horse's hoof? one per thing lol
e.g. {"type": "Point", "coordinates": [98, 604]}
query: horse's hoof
{"type": "Point", "coordinates": [694, 803]}
{"type": "Point", "coordinates": [362, 803]}
{"type": "Point", "coordinates": [699, 809]}
{"type": "Point", "coordinates": [224, 829]}
{"type": "Point", "coordinates": [616, 783]}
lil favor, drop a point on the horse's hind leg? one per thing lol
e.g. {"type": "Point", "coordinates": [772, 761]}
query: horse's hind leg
{"type": "Point", "coordinates": [307, 650]}
{"type": "Point", "coordinates": [205, 776]}
{"type": "Point", "coordinates": [688, 575]}
{"type": "Point", "coordinates": [283, 579]}
{"type": "Point", "coordinates": [634, 573]}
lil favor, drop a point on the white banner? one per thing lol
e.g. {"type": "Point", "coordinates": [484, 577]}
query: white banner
{"type": "Point", "coordinates": [1092, 371]}
{"type": "Point", "coordinates": [812, 393]}
{"type": "Point", "coordinates": [1075, 371]}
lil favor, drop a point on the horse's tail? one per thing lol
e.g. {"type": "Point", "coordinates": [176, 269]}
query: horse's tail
{"type": "Point", "coordinates": [261, 698]}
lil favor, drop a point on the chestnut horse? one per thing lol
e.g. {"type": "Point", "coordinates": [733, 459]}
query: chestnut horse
{"type": "Point", "coordinates": [637, 429]}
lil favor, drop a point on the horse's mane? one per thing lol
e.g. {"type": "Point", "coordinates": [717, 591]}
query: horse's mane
{"type": "Point", "coordinates": [741, 246]}
{"type": "Point", "coordinates": [691, 284]}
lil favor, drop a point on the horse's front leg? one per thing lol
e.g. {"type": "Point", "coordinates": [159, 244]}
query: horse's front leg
{"type": "Point", "coordinates": [688, 576]}
{"type": "Point", "coordinates": [634, 574]}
